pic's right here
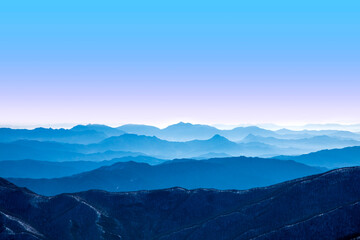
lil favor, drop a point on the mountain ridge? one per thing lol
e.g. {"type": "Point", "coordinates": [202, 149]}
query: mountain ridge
{"type": "Point", "coordinates": [132, 143]}
{"type": "Point", "coordinates": [178, 213]}
{"type": "Point", "coordinates": [220, 173]}
{"type": "Point", "coordinates": [329, 158]}
{"type": "Point", "coordinates": [29, 168]}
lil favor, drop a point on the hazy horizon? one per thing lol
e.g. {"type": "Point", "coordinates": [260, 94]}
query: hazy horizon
{"type": "Point", "coordinates": [269, 126]}
{"type": "Point", "coordinates": [211, 62]}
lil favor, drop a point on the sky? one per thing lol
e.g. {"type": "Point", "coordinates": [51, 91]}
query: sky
{"type": "Point", "coordinates": [161, 62]}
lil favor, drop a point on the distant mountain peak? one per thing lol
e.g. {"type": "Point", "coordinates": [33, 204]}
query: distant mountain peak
{"type": "Point", "coordinates": [218, 137]}
{"type": "Point", "coordinates": [251, 137]}
{"type": "Point", "coordinates": [130, 136]}
{"type": "Point", "coordinates": [183, 123]}
{"type": "Point", "coordinates": [180, 124]}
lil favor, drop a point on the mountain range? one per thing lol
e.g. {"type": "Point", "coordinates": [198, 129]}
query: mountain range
{"type": "Point", "coordinates": [188, 196]}
{"type": "Point", "coordinates": [55, 151]}
{"type": "Point", "coordinates": [333, 158]}
{"type": "Point", "coordinates": [187, 132]}
{"type": "Point", "coordinates": [314, 143]}
{"type": "Point", "coordinates": [167, 149]}
{"type": "Point", "coordinates": [328, 159]}
{"type": "Point", "coordinates": [81, 134]}
{"type": "Point", "coordinates": [85, 136]}
{"type": "Point", "coordinates": [220, 173]}
{"type": "Point", "coordinates": [132, 145]}
{"type": "Point", "coordinates": [92, 133]}
{"type": "Point", "coordinates": [323, 206]}
{"type": "Point", "coordinates": [93, 138]}
{"type": "Point", "coordinates": [100, 142]}
{"type": "Point", "coordinates": [45, 169]}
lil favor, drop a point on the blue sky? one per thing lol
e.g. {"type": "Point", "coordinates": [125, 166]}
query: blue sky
{"type": "Point", "coordinates": [159, 62]}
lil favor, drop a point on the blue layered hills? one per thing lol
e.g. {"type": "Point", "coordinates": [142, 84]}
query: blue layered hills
{"type": "Point", "coordinates": [132, 144]}
{"type": "Point", "coordinates": [45, 169]}
{"type": "Point", "coordinates": [323, 206]}
{"type": "Point", "coordinates": [175, 141]}
{"type": "Point", "coordinates": [55, 151]}
{"type": "Point", "coordinates": [333, 158]}
{"type": "Point", "coordinates": [219, 173]}
{"type": "Point", "coordinates": [187, 131]}
{"type": "Point", "coordinates": [112, 183]}
{"type": "Point", "coordinates": [313, 143]}
{"type": "Point", "coordinates": [79, 134]}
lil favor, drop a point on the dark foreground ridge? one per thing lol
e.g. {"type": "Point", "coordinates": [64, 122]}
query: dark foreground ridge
{"type": "Point", "coordinates": [323, 206]}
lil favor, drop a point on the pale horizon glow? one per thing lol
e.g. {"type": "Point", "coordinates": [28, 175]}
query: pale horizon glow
{"type": "Point", "coordinates": [76, 62]}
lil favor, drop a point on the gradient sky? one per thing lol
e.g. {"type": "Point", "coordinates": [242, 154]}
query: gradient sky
{"type": "Point", "coordinates": [159, 62]}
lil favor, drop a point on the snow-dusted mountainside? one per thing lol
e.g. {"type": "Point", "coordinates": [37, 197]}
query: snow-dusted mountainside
{"type": "Point", "coordinates": [323, 206]}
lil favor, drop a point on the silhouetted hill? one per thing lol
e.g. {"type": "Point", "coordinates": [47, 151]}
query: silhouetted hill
{"type": "Point", "coordinates": [46, 169]}
{"type": "Point", "coordinates": [132, 145]}
{"type": "Point", "coordinates": [166, 149]}
{"type": "Point", "coordinates": [213, 155]}
{"type": "Point", "coordinates": [240, 133]}
{"type": "Point", "coordinates": [81, 134]}
{"type": "Point", "coordinates": [29, 149]}
{"type": "Point", "coordinates": [140, 129]}
{"type": "Point", "coordinates": [253, 145]}
{"type": "Point", "coordinates": [324, 206]}
{"type": "Point", "coordinates": [177, 132]}
{"type": "Point", "coordinates": [220, 173]}
{"type": "Point", "coordinates": [49, 134]}
{"type": "Point", "coordinates": [92, 133]}
{"type": "Point", "coordinates": [187, 132]}
{"type": "Point", "coordinates": [309, 144]}
{"type": "Point", "coordinates": [109, 131]}
{"type": "Point", "coordinates": [288, 134]}
{"type": "Point", "coordinates": [333, 158]}
{"type": "Point", "coordinates": [54, 151]}
{"type": "Point", "coordinates": [69, 145]}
